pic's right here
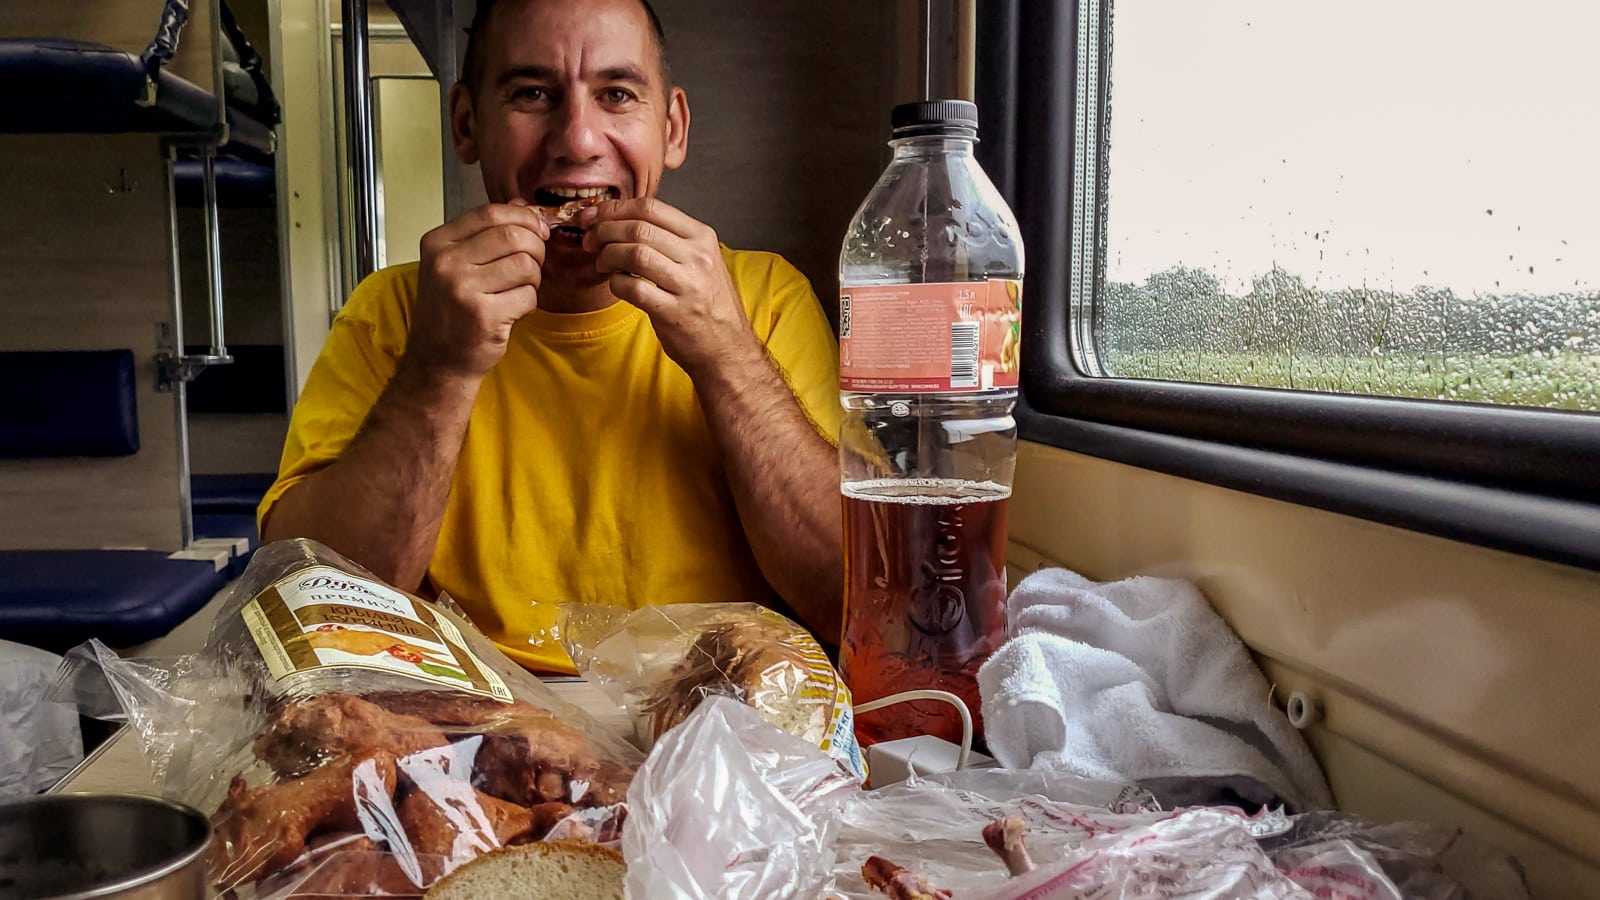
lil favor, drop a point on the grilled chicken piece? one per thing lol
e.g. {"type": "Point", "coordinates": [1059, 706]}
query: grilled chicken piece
{"type": "Point", "coordinates": [537, 759]}
{"type": "Point", "coordinates": [346, 865]}
{"type": "Point", "coordinates": [1004, 836]}
{"type": "Point", "coordinates": [899, 883]}
{"type": "Point", "coordinates": [463, 829]}
{"type": "Point", "coordinates": [265, 829]}
{"type": "Point", "coordinates": [558, 216]}
{"type": "Point", "coordinates": [306, 732]}
{"type": "Point", "coordinates": [452, 710]}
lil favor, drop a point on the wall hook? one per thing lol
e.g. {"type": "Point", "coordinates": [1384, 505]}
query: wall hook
{"type": "Point", "coordinates": [124, 185]}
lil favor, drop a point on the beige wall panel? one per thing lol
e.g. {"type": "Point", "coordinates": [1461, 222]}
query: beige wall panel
{"type": "Point", "coordinates": [127, 25]}
{"type": "Point", "coordinates": [307, 188]}
{"type": "Point", "coordinates": [406, 118]}
{"type": "Point", "coordinates": [225, 444]}
{"type": "Point", "coordinates": [82, 268]}
{"type": "Point", "coordinates": [788, 122]}
{"type": "Point", "coordinates": [252, 291]}
{"type": "Point", "coordinates": [1471, 669]}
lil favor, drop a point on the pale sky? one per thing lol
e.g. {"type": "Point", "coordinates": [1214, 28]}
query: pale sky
{"type": "Point", "coordinates": [1360, 141]}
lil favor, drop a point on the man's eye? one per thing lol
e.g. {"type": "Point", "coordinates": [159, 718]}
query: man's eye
{"type": "Point", "coordinates": [528, 93]}
{"type": "Point", "coordinates": [618, 96]}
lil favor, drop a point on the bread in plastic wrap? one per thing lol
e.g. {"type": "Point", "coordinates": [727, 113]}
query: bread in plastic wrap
{"type": "Point", "coordinates": [662, 661]}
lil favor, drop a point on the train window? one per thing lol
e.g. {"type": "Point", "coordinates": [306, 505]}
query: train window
{"type": "Point", "coordinates": [1367, 197]}
{"type": "Point", "coordinates": [1339, 256]}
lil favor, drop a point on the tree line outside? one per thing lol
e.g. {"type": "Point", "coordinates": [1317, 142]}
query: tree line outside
{"type": "Point", "coordinates": [1429, 342]}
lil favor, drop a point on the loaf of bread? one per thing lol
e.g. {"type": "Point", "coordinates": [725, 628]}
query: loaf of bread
{"type": "Point", "coordinates": [568, 870]}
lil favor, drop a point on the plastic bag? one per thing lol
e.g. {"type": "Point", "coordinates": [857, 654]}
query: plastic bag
{"type": "Point", "coordinates": [352, 739]}
{"type": "Point", "coordinates": [662, 661]}
{"type": "Point", "coordinates": [1327, 852]}
{"type": "Point", "coordinates": [728, 806]}
{"type": "Point", "coordinates": [933, 826]}
{"type": "Point", "coordinates": [1092, 839]}
{"type": "Point", "coordinates": [39, 740]}
{"type": "Point", "coordinates": [1198, 854]}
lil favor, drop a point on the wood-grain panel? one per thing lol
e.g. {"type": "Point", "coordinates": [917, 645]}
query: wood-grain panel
{"type": "Point", "coordinates": [228, 443]}
{"type": "Point", "coordinates": [83, 268]}
{"type": "Point", "coordinates": [252, 288]}
{"type": "Point", "coordinates": [789, 121]}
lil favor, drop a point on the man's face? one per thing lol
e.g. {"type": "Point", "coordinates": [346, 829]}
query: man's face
{"type": "Point", "coordinates": [571, 100]}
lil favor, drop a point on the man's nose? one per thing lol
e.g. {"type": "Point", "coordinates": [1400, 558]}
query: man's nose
{"type": "Point", "coordinates": [577, 134]}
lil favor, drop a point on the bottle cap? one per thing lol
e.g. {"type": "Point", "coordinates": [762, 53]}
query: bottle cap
{"type": "Point", "coordinates": [956, 118]}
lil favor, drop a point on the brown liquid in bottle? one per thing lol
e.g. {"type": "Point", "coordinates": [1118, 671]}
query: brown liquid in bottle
{"type": "Point", "coordinates": [924, 598]}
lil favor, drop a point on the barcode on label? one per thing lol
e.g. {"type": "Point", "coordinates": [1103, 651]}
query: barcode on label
{"type": "Point", "coordinates": [844, 316]}
{"type": "Point", "coordinates": [963, 355]}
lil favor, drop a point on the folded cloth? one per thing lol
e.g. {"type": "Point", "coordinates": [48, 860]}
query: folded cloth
{"type": "Point", "coordinates": [1140, 680]}
{"type": "Point", "coordinates": [39, 740]}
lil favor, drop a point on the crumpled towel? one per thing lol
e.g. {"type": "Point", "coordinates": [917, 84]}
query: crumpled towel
{"type": "Point", "coordinates": [39, 740]}
{"type": "Point", "coordinates": [1140, 680]}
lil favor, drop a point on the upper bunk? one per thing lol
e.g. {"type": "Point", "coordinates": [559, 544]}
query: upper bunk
{"type": "Point", "coordinates": [162, 67]}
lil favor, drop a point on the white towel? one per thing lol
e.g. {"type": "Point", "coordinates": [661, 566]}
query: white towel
{"type": "Point", "coordinates": [1140, 680]}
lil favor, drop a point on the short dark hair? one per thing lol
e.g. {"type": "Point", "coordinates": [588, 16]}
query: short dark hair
{"type": "Point", "coordinates": [472, 66]}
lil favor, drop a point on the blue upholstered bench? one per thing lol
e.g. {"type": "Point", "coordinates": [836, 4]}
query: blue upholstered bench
{"type": "Point", "coordinates": [56, 404]}
{"type": "Point", "coordinates": [58, 598]}
{"type": "Point", "coordinates": [60, 86]}
{"type": "Point", "coordinates": [225, 507]}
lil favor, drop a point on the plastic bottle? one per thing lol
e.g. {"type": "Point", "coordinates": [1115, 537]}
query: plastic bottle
{"type": "Point", "coordinates": [930, 308]}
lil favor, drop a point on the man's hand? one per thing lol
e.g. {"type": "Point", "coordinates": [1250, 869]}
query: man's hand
{"type": "Point", "coordinates": [783, 475]}
{"type": "Point", "coordinates": [670, 265]}
{"type": "Point", "coordinates": [479, 275]}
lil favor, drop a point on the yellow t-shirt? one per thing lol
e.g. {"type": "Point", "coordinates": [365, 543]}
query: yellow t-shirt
{"type": "Point", "coordinates": [588, 472]}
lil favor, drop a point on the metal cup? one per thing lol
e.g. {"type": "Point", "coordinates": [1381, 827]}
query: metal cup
{"type": "Point", "coordinates": [80, 846]}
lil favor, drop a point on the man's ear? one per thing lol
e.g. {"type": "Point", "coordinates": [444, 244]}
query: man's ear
{"type": "Point", "coordinates": [463, 123]}
{"type": "Point", "coordinates": [677, 127]}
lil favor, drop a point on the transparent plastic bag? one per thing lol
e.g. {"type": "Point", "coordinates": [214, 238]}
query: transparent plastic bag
{"type": "Point", "coordinates": [933, 826]}
{"type": "Point", "coordinates": [728, 806]}
{"type": "Point", "coordinates": [1197, 854]}
{"type": "Point", "coordinates": [350, 739]}
{"type": "Point", "coordinates": [1090, 839]}
{"type": "Point", "coordinates": [661, 661]}
{"type": "Point", "coordinates": [1328, 851]}
{"type": "Point", "coordinates": [39, 739]}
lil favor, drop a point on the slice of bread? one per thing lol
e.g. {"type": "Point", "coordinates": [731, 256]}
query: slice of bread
{"type": "Point", "coordinates": [568, 870]}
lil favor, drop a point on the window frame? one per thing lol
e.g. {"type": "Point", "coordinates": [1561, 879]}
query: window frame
{"type": "Point", "coordinates": [1517, 479]}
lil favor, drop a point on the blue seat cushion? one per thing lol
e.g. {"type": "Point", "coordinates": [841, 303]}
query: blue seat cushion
{"type": "Point", "coordinates": [59, 86]}
{"type": "Point", "coordinates": [56, 599]}
{"type": "Point", "coordinates": [230, 525]}
{"type": "Point", "coordinates": [67, 403]}
{"type": "Point", "coordinates": [240, 183]}
{"type": "Point", "coordinates": [228, 493]}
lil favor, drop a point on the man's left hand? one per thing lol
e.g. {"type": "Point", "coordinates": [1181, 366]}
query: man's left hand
{"type": "Point", "coordinates": [670, 265]}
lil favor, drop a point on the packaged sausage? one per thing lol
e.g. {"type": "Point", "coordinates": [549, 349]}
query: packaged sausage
{"type": "Point", "coordinates": [348, 738]}
{"type": "Point", "coordinates": [660, 662]}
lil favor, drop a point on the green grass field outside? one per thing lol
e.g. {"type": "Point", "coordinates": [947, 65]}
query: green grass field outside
{"type": "Point", "coordinates": [1554, 380]}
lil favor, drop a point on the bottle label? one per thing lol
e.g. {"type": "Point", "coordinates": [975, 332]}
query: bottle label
{"type": "Point", "coordinates": [323, 618]}
{"type": "Point", "coordinates": [924, 338]}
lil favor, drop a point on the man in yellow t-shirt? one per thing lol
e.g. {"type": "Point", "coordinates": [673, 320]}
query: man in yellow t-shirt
{"type": "Point", "coordinates": [620, 412]}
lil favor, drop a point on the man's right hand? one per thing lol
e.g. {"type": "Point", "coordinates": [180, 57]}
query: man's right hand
{"type": "Point", "coordinates": [479, 275]}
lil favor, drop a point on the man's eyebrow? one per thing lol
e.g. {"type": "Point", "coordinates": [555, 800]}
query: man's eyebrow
{"type": "Point", "coordinates": [624, 73]}
{"type": "Point", "coordinates": [534, 73]}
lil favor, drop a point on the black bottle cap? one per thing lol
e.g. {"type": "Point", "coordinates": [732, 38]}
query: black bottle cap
{"type": "Point", "coordinates": [956, 118]}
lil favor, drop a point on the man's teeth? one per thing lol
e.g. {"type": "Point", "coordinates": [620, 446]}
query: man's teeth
{"type": "Point", "coordinates": [580, 193]}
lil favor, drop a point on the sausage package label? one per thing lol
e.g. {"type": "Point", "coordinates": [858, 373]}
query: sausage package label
{"type": "Point", "coordinates": [321, 618]}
